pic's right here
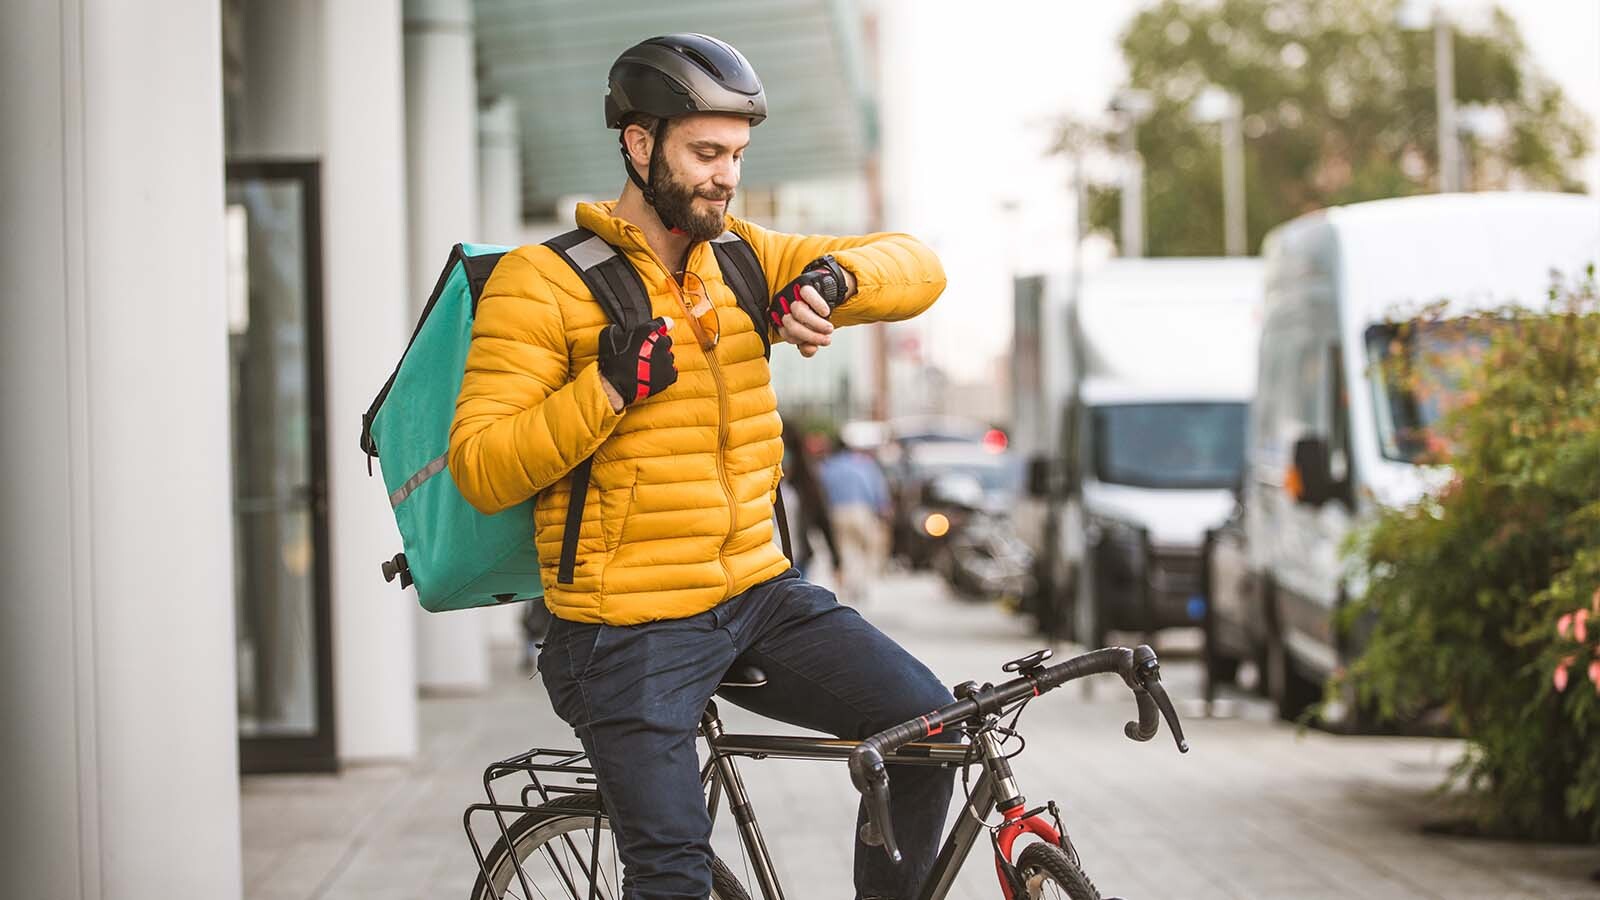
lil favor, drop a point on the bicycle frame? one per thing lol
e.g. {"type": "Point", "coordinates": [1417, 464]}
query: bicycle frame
{"type": "Point", "coordinates": [721, 775]}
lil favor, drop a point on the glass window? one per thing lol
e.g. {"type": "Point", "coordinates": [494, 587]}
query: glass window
{"type": "Point", "coordinates": [1417, 373]}
{"type": "Point", "coordinates": [1170, 445]}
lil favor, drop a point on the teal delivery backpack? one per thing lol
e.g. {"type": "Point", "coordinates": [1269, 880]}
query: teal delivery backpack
{"type": "Point", "coordinates": [457, 557]}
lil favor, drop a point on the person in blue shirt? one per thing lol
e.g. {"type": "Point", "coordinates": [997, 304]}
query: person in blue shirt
{"type": "Point", "coordinates": [858, 498]}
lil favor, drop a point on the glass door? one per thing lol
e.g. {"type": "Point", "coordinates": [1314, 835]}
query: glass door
{"type": "Point", "coordinates": [280, 521]}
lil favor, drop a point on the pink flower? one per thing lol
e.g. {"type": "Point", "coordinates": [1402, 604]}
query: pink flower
{"type": "Point", "coordinates": [1560, 677]}
{"type": "Point", "coordinates": [1580, 629]}
{"type": "Point", "coordinates": [1564, 626]}
{"type": "Point", "coordinates": [1594, 675]}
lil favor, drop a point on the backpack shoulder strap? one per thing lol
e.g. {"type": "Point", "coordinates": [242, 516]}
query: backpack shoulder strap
{"type": "Point", "coordinates": [606, 273]}
{"type": "Point", "coordinates": [620, 292]}
{"type": "Point", "coordinates": [742, 271]}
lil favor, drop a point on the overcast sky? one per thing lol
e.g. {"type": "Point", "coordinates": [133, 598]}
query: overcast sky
{"type": "Point", "coordinates": [968, 96]}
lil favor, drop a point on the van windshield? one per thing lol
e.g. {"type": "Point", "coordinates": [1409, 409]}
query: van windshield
{"type": "Point", "coordinates": [1169, 445]}
{"type": "Point", "coordinates": [1418, 373]}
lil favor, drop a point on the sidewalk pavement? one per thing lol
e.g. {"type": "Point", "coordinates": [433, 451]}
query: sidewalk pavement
{"type": "Point", "coordinates": [1258, 809]}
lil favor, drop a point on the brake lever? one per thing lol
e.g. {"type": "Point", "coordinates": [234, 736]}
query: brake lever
{"type": "Point", "coordinates": [879, 829]}
{"type": "Point", "coordinates": [1144, 676]}
{"type": "Point", "coordinates": [1158, 693]}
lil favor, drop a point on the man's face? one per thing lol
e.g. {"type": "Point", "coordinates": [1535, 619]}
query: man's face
{"type": "Point", "coordinates": [699, 170]}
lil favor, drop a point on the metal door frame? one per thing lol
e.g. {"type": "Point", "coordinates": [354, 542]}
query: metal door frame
{"type": "Point", "coordinates": [318, 752]}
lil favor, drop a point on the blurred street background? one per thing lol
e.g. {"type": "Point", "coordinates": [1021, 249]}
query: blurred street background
{"type": "Point", "coordinates": [1268, 341]}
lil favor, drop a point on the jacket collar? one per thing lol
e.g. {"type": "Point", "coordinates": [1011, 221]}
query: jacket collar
{"type": "Point", "coordinates": [629, 238]}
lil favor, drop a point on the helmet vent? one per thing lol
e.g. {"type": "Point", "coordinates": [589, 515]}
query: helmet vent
{"type": "Point", "coordinates": [700, 60]}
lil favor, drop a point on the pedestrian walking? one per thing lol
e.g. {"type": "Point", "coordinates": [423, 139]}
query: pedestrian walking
{"type": "Point", "coordinates": [806, 502]}
{"type": "Point", "coordinates": [858, 499]}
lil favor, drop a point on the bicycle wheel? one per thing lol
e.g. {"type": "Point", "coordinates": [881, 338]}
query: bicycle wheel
{"type": "Point", "coordinates": [1048, 873]}
{"type": "Point", "coordinates": [555, 844]}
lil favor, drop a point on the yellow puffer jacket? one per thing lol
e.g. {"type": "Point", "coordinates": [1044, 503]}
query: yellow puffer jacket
{"type": "Point", "coordinates": [678, 514]}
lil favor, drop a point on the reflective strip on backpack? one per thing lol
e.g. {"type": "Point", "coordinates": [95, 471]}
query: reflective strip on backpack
{"type": "Point", "coordinates": [415, 481]}
{"type": "Point", "coordinates": [591, 253]}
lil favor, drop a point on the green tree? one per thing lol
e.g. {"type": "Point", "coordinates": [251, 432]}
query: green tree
{"type": "Point", "coordinates": [1338, 108]}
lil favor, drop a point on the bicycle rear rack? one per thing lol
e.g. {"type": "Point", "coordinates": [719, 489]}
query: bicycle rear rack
{"type": "Point", "coordinates": [567, 772]}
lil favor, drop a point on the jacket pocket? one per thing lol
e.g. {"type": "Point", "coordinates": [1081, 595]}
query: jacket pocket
{"type": "Point", "coordinates": [616, 505]}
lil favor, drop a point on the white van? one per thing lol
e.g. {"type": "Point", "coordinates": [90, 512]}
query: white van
{"type": "Point", "coordinates": [1137, 441]}
{"type": "Point", "coordinates": [1329, 440]}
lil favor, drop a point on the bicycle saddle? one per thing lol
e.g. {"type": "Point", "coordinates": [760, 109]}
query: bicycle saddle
{"type": "Point", "coordinates": [743, 675]}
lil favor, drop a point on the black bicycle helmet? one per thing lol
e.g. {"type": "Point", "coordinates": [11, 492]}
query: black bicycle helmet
{"type": "Point", "coordinates": [679, 74]}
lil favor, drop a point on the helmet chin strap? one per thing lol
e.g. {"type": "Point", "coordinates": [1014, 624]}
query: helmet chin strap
{"type": "Point", "coordinates": [643, 185]}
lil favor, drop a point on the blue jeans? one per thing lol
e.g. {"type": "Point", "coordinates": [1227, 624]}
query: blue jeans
{"type": "Point", "coordinates": [634, 696]}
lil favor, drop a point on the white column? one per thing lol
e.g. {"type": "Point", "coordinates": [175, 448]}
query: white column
{"type": "Point", "coordinates": [364, 239]}
{"type": "Point", "coordinates": [499, 173]}
{"type": "Point", "coordinates": [442, 189]}
{"type": "Point", "coordinates": [323, 81]}
{"type": "Point", "coordinates": [116, 630]}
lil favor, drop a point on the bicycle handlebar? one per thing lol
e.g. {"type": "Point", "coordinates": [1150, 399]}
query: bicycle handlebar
{"type": "Point", "coordinates": [1139, 669]}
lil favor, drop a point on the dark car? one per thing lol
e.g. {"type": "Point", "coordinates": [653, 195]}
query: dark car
{"type": "Point", "coordinates": [936, 484]}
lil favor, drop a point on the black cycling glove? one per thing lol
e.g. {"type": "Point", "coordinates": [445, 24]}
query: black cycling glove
{"type": "Point", "coordinates": [824, 275]}
{"type": "Point", "coordinates": [638, 362]}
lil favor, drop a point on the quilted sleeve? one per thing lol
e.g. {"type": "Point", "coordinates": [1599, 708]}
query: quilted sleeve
{"type": "Point", "coordinates": [897, 276]}
{"type": "Point", "coordinates": [520, 422]}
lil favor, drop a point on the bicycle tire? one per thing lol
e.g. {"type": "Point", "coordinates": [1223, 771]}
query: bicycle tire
{"type": "Point", "coordinates": [568, 816]}
{"type": "Point", "coordinates": [1042, 865]}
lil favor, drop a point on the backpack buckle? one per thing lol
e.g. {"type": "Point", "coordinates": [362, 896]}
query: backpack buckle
{"type": "Point", "coordinates": [398, 568]}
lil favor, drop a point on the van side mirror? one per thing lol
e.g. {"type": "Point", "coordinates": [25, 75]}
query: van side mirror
{"type": "Point", "coordinates": [1040, 476]}
{"type": "Point", "coordinates": [1310, 478]}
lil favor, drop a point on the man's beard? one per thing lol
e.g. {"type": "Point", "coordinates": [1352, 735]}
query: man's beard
{"type": "Point", "coordinates": [675, 204]}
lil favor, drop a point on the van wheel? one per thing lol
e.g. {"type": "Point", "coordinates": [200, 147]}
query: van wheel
{"type": "Point", "coordinates": [1289, 691]}
{"type": "Point", "coordinates": [1220, 669]}
{"type": "Point", "coordinates": [1051, 604]}
{"type": "Point", "coordinates": [1043, 604]}
{"type": "Point", "coordinates": [1088, 622]}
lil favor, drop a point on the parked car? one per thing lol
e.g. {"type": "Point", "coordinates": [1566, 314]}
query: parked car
{"type": "Point", "coordinates": [938, 485]}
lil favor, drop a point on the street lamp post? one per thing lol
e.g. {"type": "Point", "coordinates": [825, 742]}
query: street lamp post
{"type": "Point", "coordinates": [1225, 108]}
{"type": "Point", "coordinates": [1416, 15]}
{"type": "Point", "coordinates": [1131, 106]}
{"type": "Point", "coordinates": [1444, 91]}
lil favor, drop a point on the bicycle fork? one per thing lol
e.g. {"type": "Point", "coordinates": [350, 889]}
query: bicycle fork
{"type": "Point", "coordinates": [1017, 818]}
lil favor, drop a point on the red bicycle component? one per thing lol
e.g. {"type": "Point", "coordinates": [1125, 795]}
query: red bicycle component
{"type": "Point", "coordinates": [1013, 828]}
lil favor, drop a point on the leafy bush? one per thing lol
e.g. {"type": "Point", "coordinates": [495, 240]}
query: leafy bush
{"type": "Point", "coordinates": [1483, 599]}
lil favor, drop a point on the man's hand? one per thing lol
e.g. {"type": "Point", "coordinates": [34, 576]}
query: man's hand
{"type": "Point", "coordinates": [800, 310]}
{"type": "Point", "coordinates": [637, 363]}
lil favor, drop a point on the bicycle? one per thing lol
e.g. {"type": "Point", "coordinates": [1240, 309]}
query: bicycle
{"type": "Point", "coordinates": [565, 828]}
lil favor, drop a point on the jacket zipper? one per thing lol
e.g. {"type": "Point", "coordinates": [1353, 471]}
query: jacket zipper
{"type": "Point", "coordinates": [722, 421]}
